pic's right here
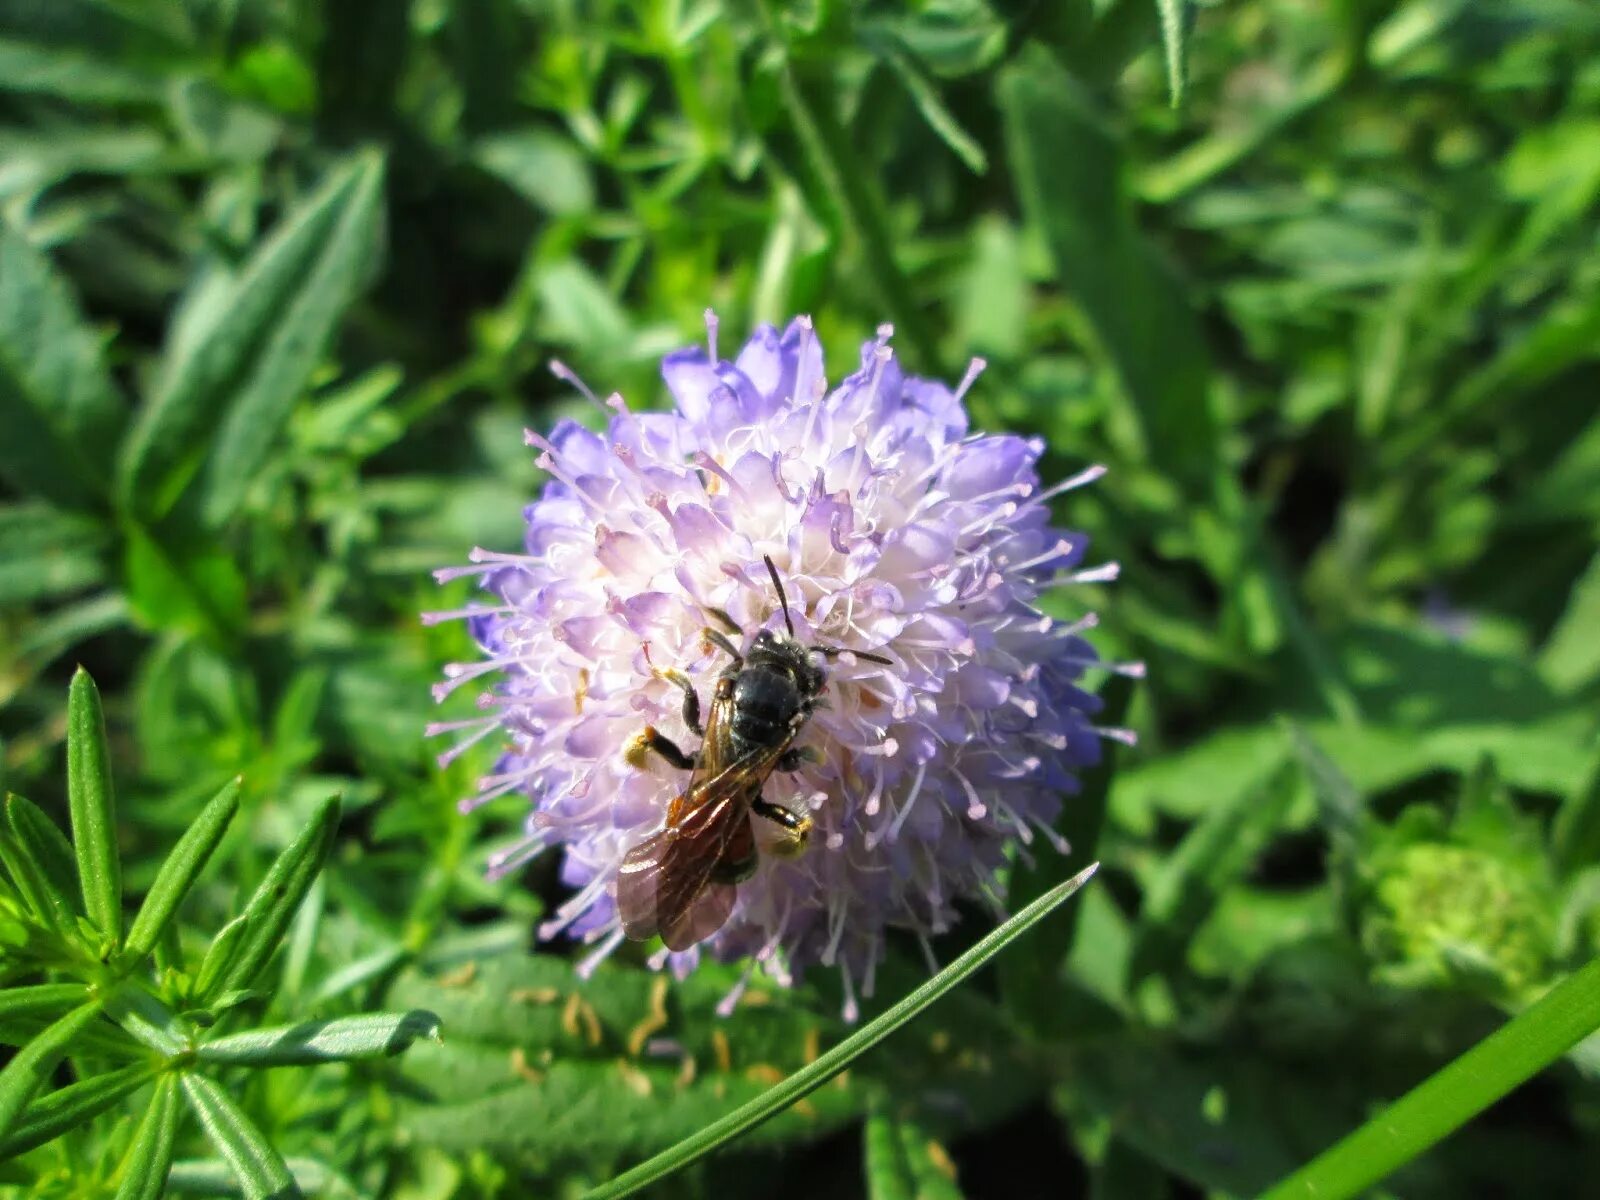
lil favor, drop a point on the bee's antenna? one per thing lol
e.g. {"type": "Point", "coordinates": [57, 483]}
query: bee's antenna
{"type": "Point", "coordinates": [782, 599]}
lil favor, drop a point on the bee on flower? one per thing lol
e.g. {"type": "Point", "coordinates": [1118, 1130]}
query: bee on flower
{"type": "Point", "coordinates": [770, 667]}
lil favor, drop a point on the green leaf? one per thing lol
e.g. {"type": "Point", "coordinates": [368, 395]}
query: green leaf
{"type": "Point", "coordinates": [273, 905]}
{"type": "Point", "coordinates": [148, 1020]}
{"type": "Point", "coordinates": [1074, 188]}
{"type": "Point", "coordinates": [260, 1170]}
{"type": "Point", "coordinates": [76, 1104]}
{"type": "Point", "coordinates": [178, 578]}
{"type": "Point", "coordinates": [1437, 1107]}
{"type": "Point", "coordinates": [27, 1071]}
{"type": "Point", "coordinates": [888, 1175]}
{"type": "Point", "coordinates": [60, 415]}
{"type": "Point", "coordinates": [1570, 657]}
{"type": "Point", "coordinates": [1174, 32]}
{"type": "Point", "coordinates": [46, 553]}
{"type": "Point", "coordinates": [904, 1162]}
{"type": "Point", "coordinates": [1575, 833]}
{"type": "Point", "coordinates": [545, 168]}
{"type": "Point", "coordinates": [40, 861]}
{"type": "Point", "coordinates": [1031, 982]}
{"type": "Point", "coordinates": [181, 868]}
{"type": "Point", "coordinates": [42, 999]}
{"type": "Point", "coordinates": [144, 1169]}
{"type": "Point", "coordinates": [219, 957]}
{"type": "Point", "coordinates": [814, 1075]}
{"type": "Point", "coordinates": [939, 118]}
{"type": "Point", "coordinates": [1215, 854]}
{"type": "Point", "coordinates": [246, 355]}
{"type": "Point", "coordinates": [1339, 804]}
{"type": "Point", "coordinates": [92, 803]}
{"type": "Point", "coordinates": [372, 1035]}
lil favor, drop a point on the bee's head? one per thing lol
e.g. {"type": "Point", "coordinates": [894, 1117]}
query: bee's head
{"type": "Point", "coordinates": [788, 654]}
{"type": "Point", "coordinates": [801, 659]}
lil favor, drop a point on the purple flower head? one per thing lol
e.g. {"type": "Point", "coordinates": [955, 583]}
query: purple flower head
{"type": "Point", "coordinates": [896, 531]}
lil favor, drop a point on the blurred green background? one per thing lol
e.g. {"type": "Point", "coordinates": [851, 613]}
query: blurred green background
{"type": "Point", "coordinates": [279, 281]}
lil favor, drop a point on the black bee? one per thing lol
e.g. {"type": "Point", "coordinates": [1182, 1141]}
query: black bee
{"type": "Point", "coordinates": [681, 881]}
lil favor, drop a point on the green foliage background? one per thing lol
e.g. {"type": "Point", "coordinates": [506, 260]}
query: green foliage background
{"type": "Point", "coordinates": [279, 280]}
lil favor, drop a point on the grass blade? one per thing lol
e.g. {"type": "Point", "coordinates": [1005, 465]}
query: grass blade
{"type": "Point", "coordinates": [149, 1158]}
{"type": "Point", "coordinates": [814, 1075]}
{"type": "Point", "coordinates": [181, 868]}
{"type": "Point", "coordinates": [26, 1073]}
{"type": "Point", "coordinates": [259, 1168]}
{"type": "Point", "coordinates": [92, 804]}
{"type": "Point", "coordinates": [369, 1036]}
{"type": "Point", "coordinates": [66, 1108]}
{"type": "Point", "coordinates": [1431, 1111]}
{"type": "Point", "coordinates": [273, 906]}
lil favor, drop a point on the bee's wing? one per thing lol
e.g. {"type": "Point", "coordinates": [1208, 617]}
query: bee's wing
{"type": "Point", "coordinates": [704, 917]}
{"type": "Point", "coordinates": [664, 885]}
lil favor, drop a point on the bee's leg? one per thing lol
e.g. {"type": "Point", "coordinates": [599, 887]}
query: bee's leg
{"type": "Point", "coordinates": [650, 739]}
{"type": "Point", "coordinates": [796, 757]}
{"type": "Point", "coordinates": [691, 699]}
{"type": "Point", "coordinates": [730, 870]}
{"type": "Point", "coordinates": [796, 827]}
{"type": "Point", "coordinates": [725, 620]}
{"type": "Point", "coordinates": [720, 640]}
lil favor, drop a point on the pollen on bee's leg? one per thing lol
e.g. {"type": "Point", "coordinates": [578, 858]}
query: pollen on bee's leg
{"type": "Point", "coordinates": [793, 842]}
{"type": "Point", "coordinates": [637, 751]}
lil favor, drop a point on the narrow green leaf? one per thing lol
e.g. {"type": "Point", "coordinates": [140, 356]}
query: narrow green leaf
{"type": "Point", "coordinates": [1214, 854]}
{"type": "Point", "coordinates": [92, 804]}
{"type": "Point", "coordinates": [31, 1066]}
{"type": "Point", "coordinates": [259, 1168]}
{"type": "Point", "coordinates": [46, 553]}
{"type": "Point", "coordinates": [1030, 982]}
{"type": "Point", "coordinates": [814, 1075]}
{"type": "Point", "coordinates": [904, 1162]}
{"type": "Point", "coordinates": [273, 906]}
{"type": "Point", "coordinates": [181, 868]}
{"type": "Point", "coordinates": [40, 1000]}
{"type": "Point", "coordinates": [239, 362]}
{"type": "Point", "coordinates": [1570, 656]}
{"type": "Point", "coordinates": [60, 414]}
{"type": "Point", "coordinates": [848, 192]}
{"type": "Point", "coordinates": [372, 1035]}
{"type": "Point", "coordinates": [48, 1117]}
{"type": "Point", "coordinates": [219, 957]}
{"type": "Point", "coordinates": [148, 1020]}
{"type": "Point", "coordinates": [179, 578]}
{"type": "Point", "coordinates": [40, 861]}
{"type": "Point", "coordinates": [939, 118]}
{"type": "Point", "coordinates": [1575, 833]}
{"type": "Point", "coordinates": [211, 1177]}
{"type": "Point", "coordinates": [888, 1176]}
{"type": "Point", "coordinates": [1072, 178]}
{"type": "Point", "coordinates": [1174, 33]}
{"type": "Point", "coordinates": [1434, 1109]}
{"type": "Point", "coordinates": [144, 1169]}
{"type": "Point", "coordinates": [1339, 804]}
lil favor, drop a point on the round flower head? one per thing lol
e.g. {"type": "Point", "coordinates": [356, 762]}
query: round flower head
{"type": "Point", "coordinates": [895, 531]}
